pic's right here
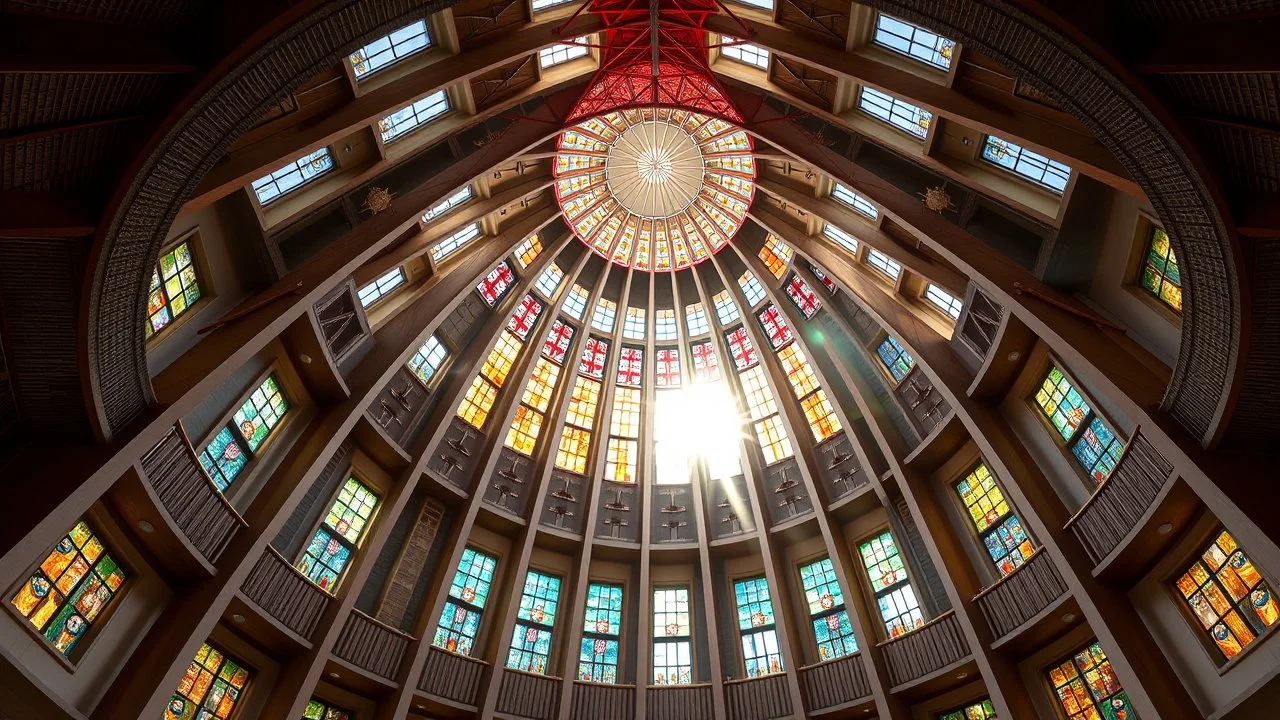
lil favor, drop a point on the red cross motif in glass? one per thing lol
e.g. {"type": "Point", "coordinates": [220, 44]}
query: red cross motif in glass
{"type": "Point", "coordinates": [495, 284]}
{"type": "Point", "coordinates": [593, 358]}
{"type": "Point", "coordinates": [705, 365]}
{"type": "Point", "coordinates": [668, 367]}
{"type": "Point", "coordinates": [803, 296]}
{"type": "Point", "coordinates": [630, 366]}
{"type": "Point", "coordinates": [826, 281]}
{"type": "Point", "coordinates": [524, 317]}
{"type": "Point", "coordinates": [744, 353]}
{"type": "Point", "coordinates": [558, 340]}
{"type": "Point", "coordinates": [775, 326]}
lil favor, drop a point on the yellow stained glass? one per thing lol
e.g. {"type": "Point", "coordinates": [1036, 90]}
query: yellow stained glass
{"type": "Point", "coordinates": [626, 413]}
{"type": "Point", "coordinates": [542, 384]}
{"type": "Point", "coordinates": [582, 405]}
{"type": "Point", "coordinates": [774, 442]}
{"type": "Point", "coordinates": [500, 359]}
{"type": "Point", "coordinates": [528, 250]}
{"type": "Point", "coordinates": [620, 460]}
{"type": "Point", "coordinates": [522, 436]}
{"type": "Point", "coordinates": [755, 389]}
{"type": "Point", "coordinates": [575, 443]}
{"type": "Point", "coordinates": [799, 371]}
{"type": "Point", "coordinates": [477, 403]}
{"type": "Point", "coordinates": [821, 416]}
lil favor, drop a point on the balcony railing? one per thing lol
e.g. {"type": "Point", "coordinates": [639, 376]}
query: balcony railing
{"type": "Point", "coordinates": [284, 593]}
{"type": "Point", "coordinates": [451, 676]}
{"type": "Point", "coordinates": [529, 695]}
{"type": "Point", "coordinates": [196, 507]}
{"type": "Point", "coordinates": [1020, 595]}
{"type": "Point", "coordinates": [371, 645]}
{"type": "Point", "coordinates": [679, 702]}
{"type": "Point", "coordinates": [834, 682]}
{"type": "Point", "coordinates": [1121, 500]}
{"type": "Point", "coordinates": [600, 701]}
{"type": "Point", "coordinates": [937, 644]}
{"type": "Point", "coordinates": [758, 698]}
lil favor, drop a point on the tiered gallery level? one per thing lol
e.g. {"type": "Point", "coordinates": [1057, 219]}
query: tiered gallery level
{"type": "Point", "coordinates": [825, 371]}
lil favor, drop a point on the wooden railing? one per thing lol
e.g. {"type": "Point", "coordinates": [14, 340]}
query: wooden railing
{"type": "Point", "coordinates": [529, 695]}
{"type": "Point", "coordinates": [599, 701]}
{"type": "Point", "coordinates": [1120, 501]}
{"type": "Point", "coordinates": [834, 682]}
{"type": "Point", "coordinates": [189, 497]}
{"type": "Point", "coordinates": [1018, 596]}
{"type": "Point", "coordinates": [937, 644]}
{"type": "Point", "coordinates": [758, 698]}
{"type": "Point", "coordinates": [451, 676]}
{"type": "Point", "coordinates": [679, 702]}
{"type": "Point", "coordinates": [371, 645]}
{"type": "Point", "coordinates": [284, 593]}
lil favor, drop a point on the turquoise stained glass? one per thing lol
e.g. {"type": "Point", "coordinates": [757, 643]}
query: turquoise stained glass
{"type": "Point", "coordinates": [226, 455]}
{"type": "Point", "coordinates": [330, 548]}
{"type": "Point", "coordinates": [324, 559]}
{"type": "Point", "coordinates": [831, 627]}
{"type": "Point", "coordinates": [602, 622]}
{"type": "Point", "coordinates": [896, 599]}
{"type": "Point", "coordinates": [535, 618]}
{"type": "Point", "coordinates": [760, 653]}
{"type": "Point", "coordinates": [1098, 450]}
{"type": "Point", "coordinates": [1094, 445]}
{"type": "Point", "coordinates": [223, 459]}
{"type": "Point", "coordinates": [896, 359]}
{"type": "Point", "coordinates": [468, 592]}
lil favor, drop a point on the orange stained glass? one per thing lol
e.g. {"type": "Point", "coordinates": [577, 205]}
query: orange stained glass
{"type": "Point", "coordinates": [522, 436]}
{"type": "Point", "coordinates": [528, 250]}
{"type": "Point", "coordinates": [776, 265]}
{"type": "Point", "coordinates": [582, 404]}
{"type": "Point", "coordinates": [477, 403]}
{"type": "Point", "coordinates": [498, 364]}
{"type": "Point", "coordinates": [575, 443]}
{"type": "Point", "coordinates": [798, 370]}
{"type": "Point", "coordinates": [1087, 688]}
{"type": "Point", "coordinates": [626, 413]}
{"type": "Point", "coordinates": [211, 688]}
{"type": "Point", "coordinates": [774, 442]}
{"type": "Point", "coordinates": [1227, 595]}
{"type": "Point", "coordinates": [620, 460]}
{"type": "Point", "coordinates": [821, 416]}
{"type": "Point", "coordinates": [541, 385]}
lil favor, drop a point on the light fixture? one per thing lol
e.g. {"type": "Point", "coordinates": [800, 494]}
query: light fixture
{"type": "Point", "coordinates": [1165, 528]}
{"type": "Point", "coordinates": [237, 618]}
{"type": "Point", "coordinates": [305, 358]}
{"type": "Point", "coordinates": [334, 675]}
{"type": "Point", "coordinates": [961, 675]}
{"type": "Point", "coordinates": [1068, 617]}
{"type": "Point", "coordinates": [146, 527]}
{"type": "Point", "coordinates": [1014, 355]}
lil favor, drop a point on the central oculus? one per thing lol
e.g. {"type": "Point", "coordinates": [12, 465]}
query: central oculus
{"type": "Point", "coordinates": [655, 169]}
{"type": "Point", "coordinates": [656, 189]}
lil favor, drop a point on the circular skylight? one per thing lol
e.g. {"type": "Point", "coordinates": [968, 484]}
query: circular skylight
{"type": "Point", "coordinates": [657, 190]}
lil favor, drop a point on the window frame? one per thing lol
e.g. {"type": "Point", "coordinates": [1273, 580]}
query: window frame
{"type": "Point", "coordinates": [884, 367]}
{"type": "Point", "coordinates": [911, 42]}
{"type": "Point", "coordinates": [290, 396]}
{"type": "Point", "coordinates": [390, 132]}
{"type": "Point", "coordinates": [362, 77]}
{"type": "Point", "coordinates": [1070, 657]}
{"type": "Point", "coordinates": [195, 247]}
{"type": "Point", "coordinates": [251, 673]}
{"type": "Point", "coordinates": [594, 635]}
{"type": "Point", "coordinates": [1065, 446]}
{"type": "Point", "coordinates": [837, 608]}
{"type": "Point", "coordinates": [1025, 179]}
{"type": "Point", "coordinates": [654, 639]}
{"type": "Point", "coordinates": [562, 52]}
{"type": "Point", "coordinates": [993, 528]}
{"type": "Point", "coordinates": [909, 113]}
{"type": "Point", "coordinates": [440, 371]}
{"type": "Point", "coordinates": [379, 495]}
{"type": "Point", "coordinates": [933, 303]}
{"type": "Point", "coordinates": [524, 625]}
{"type": "Point", "coordinates": [882, 629]}
{"type": "Point", "coordinates": [382, 295]}
{"type": "Point", "coordinates": [758, 630]}
{"type": "Point", "coordinates": [959, 712]}
{"type": "Point", "coordinates": [1144, 236]}
{"type": "Point", "coordinates": [291, 166]}
{"type": "Point", "coordinates": [738, 53]}
{"type": "Point", "coordinates": [478, 640]}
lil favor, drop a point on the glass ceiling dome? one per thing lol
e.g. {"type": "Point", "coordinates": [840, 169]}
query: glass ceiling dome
{"type": "Point", "coordinates": [655, 189]}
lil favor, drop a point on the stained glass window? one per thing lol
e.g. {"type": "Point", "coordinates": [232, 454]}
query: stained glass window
{"type": "Point", "coordinates": [668, 367]}
{"type": "Point", "coordinates": [318, 709]}
{"type": "Point", "coordinates": [604, 315]}
{"type": "Point", "coordinates": [476, 404]}
{"type": "Point", "coordinates": [695, 319]}
{"type": "Point", "coordinates": [776, 255]}
{"type": "Point", "coordinates": [770, 432]}
{"type": "Point", "coordinates": [842, 238]}
{"type": "Point", "coordinates": [496, 284]}
{"type": "Point", "coordinates": [236, 444]}
{"type": "Point", "coordinates": [624, 429]}
{"type": "Point", "coordinates": [525, 316]}
{"type": "Point", "coordinates": [583, 403]}
{"type": "Point", "coordinates": [576, 302]}
{"type": "Point", "coordinates": [775, 326]}
{"type": "Point", "coordinates": [664, 325]}
{"type": "Point", "coordinates": [1033, 166]}
{"type": "Point", "coordinates": [740, 347]}
{"type": "Point", "coordinates": [726, 308]}
{"type": "Point", "coordinates": [820, 415]}
{"type": "Point", "coordinates": [943, 300]}
{"type": "Point", "coordinates": [380, 288]}
{"type": "Point", "coordinates": [526, 426]}
{"type": "Point", "coordinates": [549, 281]}
{"type": "Point", "coordinates": [446, 205]}
{"type": "Point", "coordinates": [980, 710]}
{"type": "Point", "coordinates": [895, 111]}
{"type": "Point", "coordinates": [885, 264]}
{"type": "Point", "coordinates": [210, 689]}
{"type": "Point", "coordinates": [855, 201]}
{"type": "Point", "coordinates": [535, 620]}
{"type": "Point", "coordinates": [451, 244]}
{"type": "Point", "coordinates": [633, 324]}
{"type": "Point", "coordinates": [594, 356]}
{"type": "Point", "coordinates": [914, 42]}
{"type": "Point", "coordinates": [1160, 274]}
{"type": "Point", "coordinates": [480, 396]}
{"type": "Point", "coordinates": [899, 609]}
{"type": "Point", "coordinates": [706, 366]}
{"type": "Point", "coordinates": [1091, 440]}
{"type": "Point", "coordinates": [827, 282]}
{"type": "Point", "coordinates": [672, 657]}
{"type": "Point", "coordinates": [498, 364]}
{"type": "Point", "coordinates": [895, 358]}
{"type": "Point", "coordinates": [631, 366]}
{"type": "Point", "coordinates": [1228, 596]}
{"type": "Point", "coordinates": [468, 592]}
{"type": "Point", "coordinates": [339, 534]}
{"type": "Point", "coordinates": [744, 53]}
{"type": "Point", "coordinates": [69, 590]}
{"type": "Point", "coordinates": [390, 49]}
{"type": "Point", "coordinates": [559, 338]}
{"type": "Point", "coordinates": [803, 296]}
{"type": "Point", "coordinates": [601, 626]}
{"type": "Point", "coordinates": [575, 437]}
{"type": "Point", "coordinates": [175, 287]}
{"type": "Point", "coordinates": [428, 359]}
{"type": "Point", "coordinates": [831, 627]}
{"type": "Point", "coordinates": [282, 181]}
{"type": "Point", "coordinates": [999, 528]}
{"type": "Point", "coordinates": [1087, 687]}
{"type": "Point", "coordinates": [528, 251]}
{"type": "Point", "coordinates": [760, 654]}
{"type": "Point", "coordinates": [751, 288]}
{"type": "Point", "coordinates": [413, 116]}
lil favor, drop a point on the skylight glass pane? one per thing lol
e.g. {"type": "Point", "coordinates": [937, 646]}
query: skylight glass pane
{"type": "Point", "coordinates": [855, 201]}
{"type": "Point", "coordinates": [389, 49]}
{"type": "Point", "coordinates": [762, 4]}
{"type": "Point", "coordinates": [562, 53]}
{"type": "Point", "coordinates": [1020, 161]}
{"type": "Point", "coordinates": [427, 359]}
{"type": "Point", "coordinates": [898, 113]}
{"type": "Point", "coordinates": [376, 290]}
{"type": "Point", "coordinates": [451, 244]}
{"type": "Point", "coordinates": [745, 53]}
{"type": "Point", "coordinates": [576, 303]}
{"type": "Point", "coordinates": [943, 300]}
{"type": "Point", "coordinates": [549, 281]}
{"type": "Point", "coordinates": [449, 203]}
{"type": "Point", "coordinates": [413, 115]}
{"type": "Point", "coordinates": [285, 180]}
{"type": "Point", "coordinates": [605, 313]}
{"type": "Point", "coordinates": [844, 239]}
{"type": "Point", "coordinates": [633, 324]}
{"type": "Point", "coordinates": [884, 264]}
{"type": "Point", "coordinates": [914, 41]}
{"type": "Point", "coordinates": [751, 288]}
{"type": "Point", "coordinates": [695, 318]}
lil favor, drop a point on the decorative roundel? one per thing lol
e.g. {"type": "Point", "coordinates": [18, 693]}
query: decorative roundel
{"type": "Point", "coordinates": [657, 189]}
